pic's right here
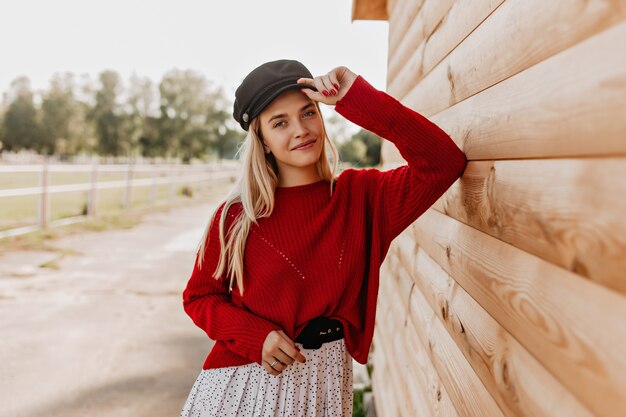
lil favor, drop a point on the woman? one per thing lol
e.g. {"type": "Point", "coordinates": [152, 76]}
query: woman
{"type": "Point", "coordinates": [305, 245]}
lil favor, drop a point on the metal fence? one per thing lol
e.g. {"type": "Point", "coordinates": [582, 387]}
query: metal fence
{"type": "Point", "coordinates": [158, 175]}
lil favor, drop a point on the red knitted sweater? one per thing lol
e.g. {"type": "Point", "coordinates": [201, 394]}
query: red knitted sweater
{"type": "Point", "coordinates": [320, 255]}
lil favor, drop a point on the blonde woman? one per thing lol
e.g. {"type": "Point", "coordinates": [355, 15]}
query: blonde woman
{"type": "Point", "coordinates": [286, 277]}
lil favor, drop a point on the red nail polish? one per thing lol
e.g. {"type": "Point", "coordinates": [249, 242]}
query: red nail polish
{"type": "Point", "coordinates": [325, 92]}
{"type": "Point", "coordinates": [333, 92]}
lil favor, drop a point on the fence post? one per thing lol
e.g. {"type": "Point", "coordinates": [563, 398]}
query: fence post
{"type": "Point", "coordinates": [44, 203]}
{"type": "Point", "coordinates": [209, 178]}
{"type": "Point", "coordinates": [92, 200]}
{"type": "Point", "coordinates": [172, 190]}
{"type": "Point", "coordinates": [153, 186]}
{"type": "Point", "coordinates": [129, 178]}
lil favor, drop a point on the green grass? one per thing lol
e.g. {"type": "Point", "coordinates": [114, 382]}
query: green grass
{"type": "Point", "coordinates": [22, 211]}
{"type": "Point", "coordinates": [358, 407]}
{"type": "Point", "coordinates": [111, 215]}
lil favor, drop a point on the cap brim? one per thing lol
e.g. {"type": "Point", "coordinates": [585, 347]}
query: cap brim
{"type": "Point", "coordinates": [281, 90]}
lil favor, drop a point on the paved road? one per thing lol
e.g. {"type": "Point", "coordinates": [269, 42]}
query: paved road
{"type": "Point", "coordinates": [105, 334]}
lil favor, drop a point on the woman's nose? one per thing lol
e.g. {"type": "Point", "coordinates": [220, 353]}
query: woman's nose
{"type": "Point", "coordinates": [300, 128]}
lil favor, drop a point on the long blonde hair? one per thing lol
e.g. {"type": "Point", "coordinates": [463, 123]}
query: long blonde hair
{"type": "Point", "coordinates": [255, 190]}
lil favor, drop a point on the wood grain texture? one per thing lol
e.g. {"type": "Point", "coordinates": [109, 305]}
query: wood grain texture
{"type": "Point", "coordinates": [385, 401]}
{"type": "Point", "coordinates": [483, 60]}
{"type": "Point", "coordinates": [573, 104]}
{"type": "Point", "coordinates": [369, 10]}
{"type": "Point", "coordinates": [427, 20]}
{"type": "Point", "coordinates": [391, 4]}
{"type": "Point", "coordinates": [400, 21]}
{"type": "Point", "coordinates": [566, 211]}
{"type": "Point", "coordinates": [441, 353]}
{"type": "Point", "coordinates": [462, 18]}
{"type": "Point", "coordinates": [433, 398]}
{"type": "Point", "coordinates": [468, 394]}
{"type": "Point", "coordinates": [391, 337]}
{"type": "Point", "coordinates": [521, 386]}
{"type": "Point", "coordinates": [574, 327]}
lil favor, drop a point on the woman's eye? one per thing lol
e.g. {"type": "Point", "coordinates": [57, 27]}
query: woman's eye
{"type": "Point", "coordinates": [308, 113]}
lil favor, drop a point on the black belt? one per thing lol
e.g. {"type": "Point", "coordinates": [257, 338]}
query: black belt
{"type": "Point", "coordinates": [319, 331]}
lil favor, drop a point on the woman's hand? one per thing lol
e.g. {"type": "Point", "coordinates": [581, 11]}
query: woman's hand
{"type": "Point", "coordinates": [278, 346]}
{"type": "Point", "coordinates": [331, 87]}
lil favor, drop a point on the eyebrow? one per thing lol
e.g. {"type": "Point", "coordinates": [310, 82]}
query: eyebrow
{"type": "Point", "coordinates": [276, 116]}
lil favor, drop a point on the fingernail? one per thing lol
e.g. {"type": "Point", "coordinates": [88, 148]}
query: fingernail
{"type": "Point", "coordinates": [336, 86]}
{"type": "Point", "coordinates": [325, 92]}
{"type": "Point", "coordinates": [333, 92]}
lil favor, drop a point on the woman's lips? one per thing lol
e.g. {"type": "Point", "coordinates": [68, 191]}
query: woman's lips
{"type": "Point", "coordinates": [307, 146]}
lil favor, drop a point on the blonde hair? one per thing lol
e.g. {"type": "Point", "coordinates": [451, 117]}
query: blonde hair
{"type": "Point", "coordinates": [255, 190]}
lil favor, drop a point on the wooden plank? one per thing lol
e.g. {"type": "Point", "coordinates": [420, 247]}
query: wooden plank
{"type": "Point", "coordinates": [425, 23]}
{"type": "Point", "coordinates": [387, 373]}
{"type": "Point", "coordinates": [461, 20]}
{"type": "Point", "coordinates": [573, 326]}
{"type": "Point", "coordinates": [391, 4]}
{"type": "Point", "coordinates": [521, 386]}
{"type": "Point", "coordinates": [384, 393]}
{"type": "Point", "coordinates": [400, 22]}
{"type": "Point", "coordinates": [468, 394]}
{"type": "Point", "coordinates": [483, 60]}
{"type": "Point", "coordinates": [369, 10]}
{"type": "Point", "coordinates": [434, 395]}
{"type": "Point", "coordinates": [573, 104]}
{"type": "Point", "coordinates": [381, 360]}
{"type": "Point", "coordinates": [413, 401]}
{"type": "Point", "coordinates": [391, 337]}
{"type": "Point", "coordinates": [564, 211]}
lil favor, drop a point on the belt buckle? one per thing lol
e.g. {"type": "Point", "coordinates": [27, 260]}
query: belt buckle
{"type": "Point", "coordinates": [323, 333]}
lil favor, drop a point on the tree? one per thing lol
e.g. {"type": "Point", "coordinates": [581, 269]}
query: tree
{"type": "Point", "coordinates": [62, 120]}
{"type": "Point", "coordinates": [353, 151]}
{"type": "Point", "coordinates": [21, 127]}
{"type": "Point", "coordinates": [191, 114]}
{"type": "Point", "coordinates": [373, 144]}
{"type": "Point", "coordinates": [107, 115]}
{"type": "Point", "coordinates": [141, 111]}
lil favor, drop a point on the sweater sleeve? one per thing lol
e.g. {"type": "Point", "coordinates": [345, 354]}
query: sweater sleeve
{"type": "Point", "coordinates": [209, 304]}
{"type": "Point", "coordinates": [397, 197]}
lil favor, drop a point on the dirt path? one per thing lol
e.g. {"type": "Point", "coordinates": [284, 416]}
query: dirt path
{"type": "Point", "coordinates": [105, 333]}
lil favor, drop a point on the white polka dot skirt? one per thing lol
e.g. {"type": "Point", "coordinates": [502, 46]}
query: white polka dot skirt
{"type": "Point", "coordinates": [322, 386]}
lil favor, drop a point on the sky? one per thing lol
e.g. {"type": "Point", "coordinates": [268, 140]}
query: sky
{"type": "Point", "coordinates": [223, 40]}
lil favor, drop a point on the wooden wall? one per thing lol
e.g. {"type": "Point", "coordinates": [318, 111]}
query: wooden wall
{"type": "Point", "coordinates": [508, 297]}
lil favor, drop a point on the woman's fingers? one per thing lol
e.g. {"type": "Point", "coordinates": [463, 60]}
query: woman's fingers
{"type": "Point", "coordinates": [328, 84]}
{"type": "Point", "coordinates": [283, 357]}
{"type": "Point", "coordinates": [273, 370]}
{"type": "Point", "coordinates": [290, 348]}
{"type": "Point", "coordinates": [313, 95]}
{"type": "Point", "coordinates": [331, 87]}
{"type": "Point", "coordinates": [333, 79]}
{"type": "Point", "coordinates": [279, 348]}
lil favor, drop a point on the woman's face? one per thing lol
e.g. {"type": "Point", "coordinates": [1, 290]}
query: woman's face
{"type": "Point", "coordinates": [290, 120]}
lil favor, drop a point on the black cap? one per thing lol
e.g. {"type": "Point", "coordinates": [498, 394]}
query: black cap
{"type": "Point", "coordinates": [264, 84]}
